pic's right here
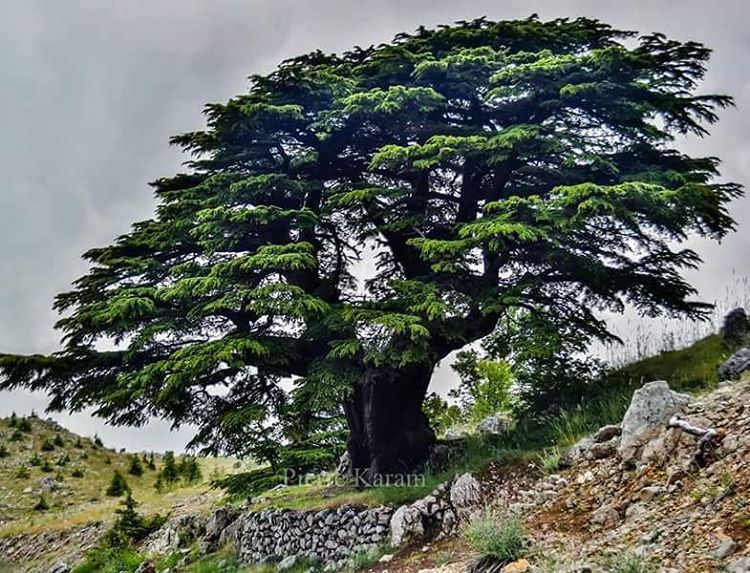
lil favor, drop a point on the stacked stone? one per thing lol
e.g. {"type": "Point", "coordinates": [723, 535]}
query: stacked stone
{"type": "Point", "coordinates": [326, 535]}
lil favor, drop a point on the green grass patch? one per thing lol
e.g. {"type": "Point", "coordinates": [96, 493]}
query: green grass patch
{"type": "Point", "coordinates": [501, 538]}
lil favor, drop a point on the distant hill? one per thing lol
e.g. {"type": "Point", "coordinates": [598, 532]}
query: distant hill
{"type": "Point", "coordinates": [43, 464]}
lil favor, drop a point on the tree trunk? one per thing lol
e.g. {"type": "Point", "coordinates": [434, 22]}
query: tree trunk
{"type": "Point", "coordinates": [389, 435]}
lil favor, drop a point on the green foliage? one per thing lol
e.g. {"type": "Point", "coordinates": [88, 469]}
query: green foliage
{"type": "Point", "coordinates": [549, 460]}
{"type": "Point", "coordinates": [58, 441]}
{"type": "Point", "coordinates": [117, 485]}
{"type": "Point", "coordinates": [4, 453]}
{"type": "Point", "coordinates": [46, 467]}
{"type": "Point", "coordinates": [16, 436]}
{"type": "Point", "coordinates": [24, 425]}
{"type": "Point", "coordinates": [485, 386]}
{"type": "Point", "coordinates": [77, 473]}
{"type": "Point", "coordinates": [106, 558]}
{"type": "Point", "coordinates": [132, 525]}
{"type": "Point", "coordinates": [631, 563]}
{"type": "Point", "coordinates": [23, 473]}
{"type": "Point", "coordinates": [47, 446]}
{"type": "Point", "coordinates": [169, 473]}
{"type": "Point", "coordinates": [13, 420]}
{"type": "Point", "coordinates": [508, 172]}
{"type": "Point", "coordinates": [41, 504]}
{"type": "Point", "coordinates": [98, 441]}
{"type": "Point", "coordinates": [441, 414]}
{"type": "Point", "coordinates": [496, 536]}
{"type": "Point", "coordinates": [135, 467]}
{"type": "Point", "coordinates": [190, 470]}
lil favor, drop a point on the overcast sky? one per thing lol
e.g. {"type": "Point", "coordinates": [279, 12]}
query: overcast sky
{"type": "Point", "coordinates": [91, 90]}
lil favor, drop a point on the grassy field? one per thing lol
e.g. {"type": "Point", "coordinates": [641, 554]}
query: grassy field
{"type": "Point", "coordinates": [37, 451]}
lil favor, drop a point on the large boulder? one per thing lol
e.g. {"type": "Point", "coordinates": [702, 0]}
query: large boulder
{"type": "Point", "coordinates": [406, 524]}
{"type": "Point", "coordinates": [465, 494]}
{"type": "Point", "coordinates": [494, 425]}
{"type": "Point", "coordinates": [650, 409]}
{"type": "Point", "coordinates": [735, 365]}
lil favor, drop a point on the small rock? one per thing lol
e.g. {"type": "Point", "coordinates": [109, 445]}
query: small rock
{"type": "Point", "coordinates": [520, 566]}
{"type": "Point", "coordinates": [606, 433]}
{"type": "Point", "coordinates": [726, 548]}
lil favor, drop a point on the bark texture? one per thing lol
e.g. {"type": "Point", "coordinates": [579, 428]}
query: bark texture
{"type": "Point", "coordinates": [388, 432]}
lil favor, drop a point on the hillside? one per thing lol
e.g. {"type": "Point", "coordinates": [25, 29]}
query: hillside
{"type": "Point", "coordinates": [40, 460]}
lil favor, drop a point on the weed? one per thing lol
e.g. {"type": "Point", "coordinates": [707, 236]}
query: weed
{"type": "Point", "coordinates": [494, 535]}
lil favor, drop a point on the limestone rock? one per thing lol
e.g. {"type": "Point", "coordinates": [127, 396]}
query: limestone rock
{"type": "Point", "coordinates": [60, 567]}
{"type": "Point", "coordinates": [606, 433]}
{"type": "Point", "coordinates": [465, 493]}
{"type": "Point", "coordinates": [735, 365]}
{"type": "Point", "coordinates": [406, 524]}
{"type": "Point", "coordinates": [650, 409]}
{"type": "Point", "coordinates": [493, 425]}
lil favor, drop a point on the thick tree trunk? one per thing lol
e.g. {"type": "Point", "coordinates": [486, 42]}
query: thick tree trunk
{"type": "Point", "coordinates": [389, 435]}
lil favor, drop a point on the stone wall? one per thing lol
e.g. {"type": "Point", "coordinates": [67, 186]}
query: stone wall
{"type": "Point", "coordinates": [326, 535]}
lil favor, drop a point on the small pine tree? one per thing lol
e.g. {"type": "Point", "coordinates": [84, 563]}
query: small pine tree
{"type": "Point", "coordinates": [24, 425]}
{"type": "Point", "coordinates": [4, 453]}
{"type": "Point", "coordinates": [169, 473]}
{"type": "Point", "coordinates": [41, 505]}
{"type": "Point", "coordinates": [98, 441]}
{"type": "Point", "coordinates": [58, 441]}
{"type": "Point", "coordinates": [35, 460]}
{"type": "Point", "coordinates": [159, 483]}
{"type": "Point", "coordinates": [79, 443]}
{"type": "Point", "coordinates": [117, 486]}
{"type": "Point", "coordinates": [13, 420]}
{"type": "Point", "coordinates": [16, 436]}
{"type": "Point", "coordinates": [47, 446]}
{"type": "Point", "coordinates": [136, 468]}
{"type": "Point", "coordinates": [190, 470]}
{"type": "Point", "coordinates": [151, 464]}
{"type": "Point", "coordinates": [63, 460]}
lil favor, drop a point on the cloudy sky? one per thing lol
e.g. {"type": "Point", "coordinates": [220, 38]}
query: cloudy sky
{"type": "Point", "coordinates": [90, 91]}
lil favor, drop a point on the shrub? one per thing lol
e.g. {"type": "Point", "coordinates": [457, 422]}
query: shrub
{"type": "Point", "coordinates": [13, 420]}
{"type": "Point", "coordinates": [46, 467]}
{"type": "Point", "coordinates": [41, 505]}
{"type": "Point", "coordinates": [501, 538]}
{"type": "Point", "coordinates": [77, 473]}
{"type": "Point", "coordinates": [631, 563]}
{"type": "Point", "coordinates": [79, 443]}
{"type": "Point", "coordinates": [24, 425]}
{"type": "Point", "coordinates": [169, 473]}
{"type": "Point", "coordinates": [16, 436]}
{"type": "Point", "coordinates": [98, 441]}
{"type": "Point", "coordinates": [58, 441]}
{"type": "Point", "coordinates": [136, 468]}
{"type": "Point", "coordinates": [117, 486]}
{"type": "Point", "coordinates": [549, 460]}
{"type": "Point", "coordinates": [47, 446]}
{"type": "Point", "coordinates": [4, 453]}
{"type": "Point", "coordinates": [23, 473]}
{"type": "Point", "coordinates": [63, 460]}
{"type": "Point", "coordinates": [190, 470]}
{"type": "Point", "coordinates": [131, 524]}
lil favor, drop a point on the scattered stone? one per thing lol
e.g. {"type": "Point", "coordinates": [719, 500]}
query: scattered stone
{"type": "Point", "coordinates": [406, 524]}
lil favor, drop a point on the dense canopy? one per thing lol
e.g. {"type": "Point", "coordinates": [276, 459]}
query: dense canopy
{"type": "Point", "coordinates": [489, 169]}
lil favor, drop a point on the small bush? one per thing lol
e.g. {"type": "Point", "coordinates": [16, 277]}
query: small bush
{"type": "Point", "coordinates": [77, 473]}
{"type": "Point", "coordinates": [41, 505]}
{"type": "Point", "coordinates": [13, 420]}
{"type": "Point", "coordinates": [190, 470]}
{"type": "Point", "coordinates": [98, 441]}
{"type": "Point", "coordinates": [136, 468]}
{"type": "Point", "coordinates": [63, 460]}
{"type": "Point", "coordinates": [23, 473]}
{"type": "Point", "coordinates": [46, 467]}
{"type": "Point", "coordinates": [58, 441]}
{"type": "Point", "coordinates": [16, 436]}
{"type": "Point", "coordinates": [24, 425]}
{"type": "Point", "coordinates": [35, 460]}
{"type": "Point", "coordinates": [79, 443]}
{"type": "Point", "coordinates": [48, 446]}
{"type": "Point", "coordinates": [501, 538]}
{"type": "Point", "coordinates": [4, 453]}
{"type": "Point", "coordinates": [549, 460]}
{"type": "Point", "coordinates": [131, 524]}
{"type": "Point", "coordinates": [117, 486]}
{"type": "Point", "coordinates": [631, 563]}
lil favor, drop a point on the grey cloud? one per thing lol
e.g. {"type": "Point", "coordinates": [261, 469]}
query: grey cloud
{"type": "Point", "coordinates": [92, 90]}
